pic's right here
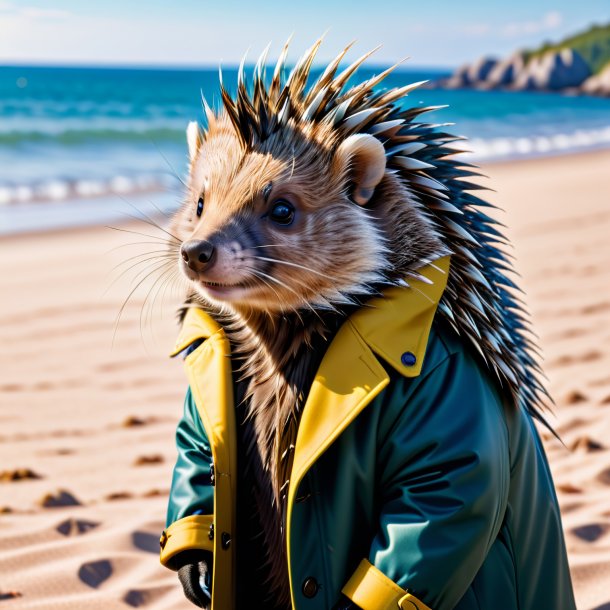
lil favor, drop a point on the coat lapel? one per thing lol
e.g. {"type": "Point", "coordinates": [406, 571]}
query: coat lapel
{"type": "Point", "coordinates": [348, 379]}
{"type": "Point", "coordinates": [350, 376]}
{"type": "Point", "coordinates": [210, 378]}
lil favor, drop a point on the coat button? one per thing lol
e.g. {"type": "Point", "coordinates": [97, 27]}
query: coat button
{"type": "Point", "coordinates": [408, 359]}
{"type": "Point", "coordinates": [225, 540]}
{"type": "Point", "coordinates": [310, 587]}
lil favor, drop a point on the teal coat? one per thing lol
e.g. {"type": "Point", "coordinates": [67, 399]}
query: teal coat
{"type": "Point", "coordinates": [425, 492]}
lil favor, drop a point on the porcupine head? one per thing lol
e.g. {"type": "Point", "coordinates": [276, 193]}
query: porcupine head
{"type": "Point", "coordinates": [302, 201]}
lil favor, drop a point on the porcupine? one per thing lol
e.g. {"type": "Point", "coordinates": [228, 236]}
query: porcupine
{"type": "Point", "coordinates": [305, 201]}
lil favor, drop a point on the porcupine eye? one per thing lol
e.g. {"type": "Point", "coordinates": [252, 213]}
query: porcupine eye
{"type": "Point", "coordinates": [282, 212]}
{"type": "Point", "coordinates": [200, 206]}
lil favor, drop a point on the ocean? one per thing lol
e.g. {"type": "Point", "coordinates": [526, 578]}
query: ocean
{"type": "Point", "coordinates": [96, 145]}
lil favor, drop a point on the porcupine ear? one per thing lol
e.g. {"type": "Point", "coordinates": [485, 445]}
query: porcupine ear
{"type": "Point", "coordinates": [193, 139]}
{"type": "Point", "coordinates": [362, 157]}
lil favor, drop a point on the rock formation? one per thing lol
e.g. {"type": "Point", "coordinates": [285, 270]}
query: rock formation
{"type": "Point", "coordinates": [599, 84]}
{"type": "Point", "coordinates": [505, 71]}
{"type": "Point", "coordinates": [470, 75]}
{"type": "Point", "coordinates": [553, 71]}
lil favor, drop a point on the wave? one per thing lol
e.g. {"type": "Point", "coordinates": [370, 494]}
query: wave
{"type": "Point", "coordinates": [58, 190]}
{"type": "Point", "coordinates": [153, 177]}
{"type": "Point", "coordinates": [538, 145]}
{"type": "Point", "coordinates": [86, 136]}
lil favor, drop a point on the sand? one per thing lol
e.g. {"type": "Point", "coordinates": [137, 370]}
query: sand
{"type": "Point", "coordinates": [88, 423]}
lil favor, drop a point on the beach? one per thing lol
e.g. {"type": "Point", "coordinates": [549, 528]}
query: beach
{"type": "Point", "coordinates": [88, 414]}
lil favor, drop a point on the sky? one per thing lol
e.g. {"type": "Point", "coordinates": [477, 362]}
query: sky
{"type": "Point", "coordinates": [440, 33]}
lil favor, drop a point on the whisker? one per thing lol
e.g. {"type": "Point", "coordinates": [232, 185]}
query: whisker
{"type": "Point", "coordinates": [291, 290]}
{"type": "Point", "coordinates": [148, 220]}
{"type": "Point", "coordinates": [160, 253]}
{"type": "Point", "coordinates": [159, 279]}
{"type": "Point", "coordinates": [154, 205]}
{"type": "Point", "coordinates": [289, 264]}
{"type": "Point", "coordinates": [162, 240]}
{"type": "Point", "coordinates": [143, 243]}
{"type": "Point", "coordinates": [276, 293]}
{"type": "Point", "coordinates": [268, 246]}
{"type": "Point", "coordinates": [137, 264]}
{"type": "Point", "coordinates": [122, 308]}
{"type": "Point", "coordinates": [174, 172]}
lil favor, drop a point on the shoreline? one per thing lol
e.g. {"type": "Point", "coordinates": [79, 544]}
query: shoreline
{"type": "Point", "coordinates": [168, 201]}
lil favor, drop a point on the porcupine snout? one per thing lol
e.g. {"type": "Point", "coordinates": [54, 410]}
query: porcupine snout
{"type": "Point", "coordinates": [198, 254]}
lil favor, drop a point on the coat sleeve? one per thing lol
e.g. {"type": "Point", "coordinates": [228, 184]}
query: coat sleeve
{"type": "Point", "coordinates": [191, 499]}
{"type": "Point", "coordinates": [443, 473]}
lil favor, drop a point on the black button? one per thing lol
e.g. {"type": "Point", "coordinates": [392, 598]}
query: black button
{"type": "Point", "coordinates": [225, 540]}
{"type": "Point", "coordinates": [310, 587]}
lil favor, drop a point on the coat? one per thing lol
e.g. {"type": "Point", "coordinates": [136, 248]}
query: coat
{"type": "Point", "coordinates": [414, 485]}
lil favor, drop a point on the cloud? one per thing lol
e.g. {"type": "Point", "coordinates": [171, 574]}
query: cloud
{"type": "Point", "coordinates": [32, 13]}
{"type": "Point", "coordinates": [516, 29]}
{"type": "Point", "coordinates": [44, 13]}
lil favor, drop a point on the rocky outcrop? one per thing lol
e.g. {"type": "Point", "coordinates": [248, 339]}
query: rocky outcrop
{"type": "Point", "coordinates": [469, 75]}
{"type": "Point", "coordinates": [505, 71]}
{"type": "Point", "coordinates": [563, 70]}
{"type": "Point", "coordinates": [598, 84]}
{"type": "Point", "coordinates": [553, 71]}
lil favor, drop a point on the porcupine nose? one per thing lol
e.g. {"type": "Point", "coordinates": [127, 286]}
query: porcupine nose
{"type": "Point", "coordinates": [198, 254]}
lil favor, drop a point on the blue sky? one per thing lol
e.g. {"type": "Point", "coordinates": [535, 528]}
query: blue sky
{"type": "Point", "coordinates": [195, 32]}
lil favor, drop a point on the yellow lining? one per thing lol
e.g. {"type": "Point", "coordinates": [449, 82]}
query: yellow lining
{"type": "Point", "coordinates": [196, 325]}
{"type": "Point", "coordinates": [400, 321]}
{"type": "Point", "coordinates": [209, 374]}
{"type": "Point", "coordinates": [185, 534]}
{"type": "Point", "coordinates": [371, 589]}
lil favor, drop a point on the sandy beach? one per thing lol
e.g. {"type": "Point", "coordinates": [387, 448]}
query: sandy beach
{"type": "Point", "coordinates": [87, 420]}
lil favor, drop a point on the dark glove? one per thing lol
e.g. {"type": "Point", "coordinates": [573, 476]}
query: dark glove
{"type": "Point", "coordinates": [195, 574]}
{"type": "Point", "coordinates": [345, 604]}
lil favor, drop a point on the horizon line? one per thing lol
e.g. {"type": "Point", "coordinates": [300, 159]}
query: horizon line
{"type": "Point", "coordinates": [197, 66]}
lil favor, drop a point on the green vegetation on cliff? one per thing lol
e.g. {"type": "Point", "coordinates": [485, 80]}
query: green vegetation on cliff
{"type": "Point", "coordinates": [593, 45]}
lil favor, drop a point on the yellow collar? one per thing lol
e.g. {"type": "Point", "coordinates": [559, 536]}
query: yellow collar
{"type": "Point", "coordinates": [395, 326]}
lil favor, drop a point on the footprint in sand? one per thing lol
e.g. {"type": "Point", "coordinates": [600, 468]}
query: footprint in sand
{"type": "Point", "coordinates": [20, 474]}
{"type": "Point", "coordinates": [135, 598]}
{"type": "Point", "coordinates": [153, 493]}
{"type": "Point", "coordinates": [146, 542]}
{"type": "Point", "coordinates": [58, 499]}
{"type": "Point", "coordinates": [568, 488]}
{"type": "Point", "coordinates": [119, 495]}
{"type": "Point", "coordinates": [591, 532]}
{"type": "Point", "coordinates": [4, 595]}
{"type": "Point", "coordinates": [148, 460]}
{"type": "Point", "coordinates": [95, 573]}
{"type": "Point", "coordinates": [132, 421]}
{"type": "Point", "coordinates": [567, 360]}
{"type": "Point", "coordinates": [75, 527]}
{"type": "Point", "coordinates": [142, 597]}
{"type": "Point", "coordinates": [575, 397]}
{"type": "Point", "coordinates": [587, 444]}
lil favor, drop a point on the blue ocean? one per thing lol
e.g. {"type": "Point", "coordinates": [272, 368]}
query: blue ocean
{"type": "Point", "coordinates": [91, 145]}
